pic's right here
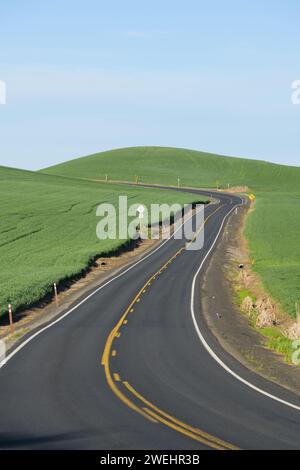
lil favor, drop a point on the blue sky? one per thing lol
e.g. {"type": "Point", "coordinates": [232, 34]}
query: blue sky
{"type": "Point", "coordinates": [86, 76]}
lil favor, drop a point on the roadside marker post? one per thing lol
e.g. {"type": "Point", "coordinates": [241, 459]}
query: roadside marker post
{"type": "Point", "coordinates": [55, 293]}
{"type": "Point", "coordinates": [141, 210]}
{"type": "Point", "coordinates": [178, 182]}
{"type": "Point", "coordinates": [11, 322]}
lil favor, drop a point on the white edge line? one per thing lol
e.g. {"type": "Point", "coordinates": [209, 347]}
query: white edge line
{"type": "Point", "coordinates": [37, 333]}
{"type": "Point", "coordinates": [209, 349]}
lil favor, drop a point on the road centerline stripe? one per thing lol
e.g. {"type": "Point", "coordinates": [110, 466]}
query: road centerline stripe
{"type": "Point", "coordinates": [172, 423]}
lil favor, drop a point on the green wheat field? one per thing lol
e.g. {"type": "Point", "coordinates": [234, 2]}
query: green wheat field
{"type": "Point", "coordinates": [48, 229]}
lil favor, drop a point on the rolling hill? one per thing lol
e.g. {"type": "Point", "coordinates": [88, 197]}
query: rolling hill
{"type": "Point", "coordinates": [272, 228]}
{"type": "Point", "coordinates": [165, 165]}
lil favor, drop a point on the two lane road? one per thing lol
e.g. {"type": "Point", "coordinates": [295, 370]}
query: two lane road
{"type": "Point", "coordinates": [134, 366]}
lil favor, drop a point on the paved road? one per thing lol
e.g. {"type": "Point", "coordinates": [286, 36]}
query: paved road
{"type": "Point", "coordinates": [134, 366]}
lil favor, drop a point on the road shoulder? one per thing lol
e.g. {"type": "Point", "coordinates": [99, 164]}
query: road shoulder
{"type": "Point", "coordinates": [229, 325]}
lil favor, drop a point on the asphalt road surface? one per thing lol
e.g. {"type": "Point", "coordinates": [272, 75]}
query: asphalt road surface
{"type": "Point", "coordinates": [134, 367]}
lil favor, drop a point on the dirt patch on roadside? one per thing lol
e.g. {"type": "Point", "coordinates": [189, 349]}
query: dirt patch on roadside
{"type": "Point", "coordinates": [225, 319]}
{"type": "Point", "coordinates": [259, 306]}
{"type": "Point", "coordinates": [236, 189]}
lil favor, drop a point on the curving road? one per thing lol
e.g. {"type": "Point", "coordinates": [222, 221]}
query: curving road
{"type": "Point", "coordinates": [134, 366]}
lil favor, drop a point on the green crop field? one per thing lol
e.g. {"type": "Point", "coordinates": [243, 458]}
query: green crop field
{"type": "Point", "coordinates": [273, 229]}
{"type": "Point", "coordinates": [48, 229]}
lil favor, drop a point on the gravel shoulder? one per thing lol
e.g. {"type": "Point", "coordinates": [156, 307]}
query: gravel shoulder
{"type": "Point", "coordinates": [227, 322]}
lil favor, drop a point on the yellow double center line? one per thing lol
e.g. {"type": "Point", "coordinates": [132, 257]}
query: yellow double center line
{"type": "Point", "coordinates": [144, 407]}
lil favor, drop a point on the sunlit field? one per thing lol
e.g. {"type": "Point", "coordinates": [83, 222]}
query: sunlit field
{"type": "Point", "coordinates": [48, 229]}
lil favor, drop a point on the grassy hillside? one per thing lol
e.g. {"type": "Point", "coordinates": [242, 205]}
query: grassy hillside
{"type": "Point", "coordinates": [273, 228]}
{"type": "Point", "coordinates": [48, 229]}
{"type": "Point", "coordinates": [165, 165]}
